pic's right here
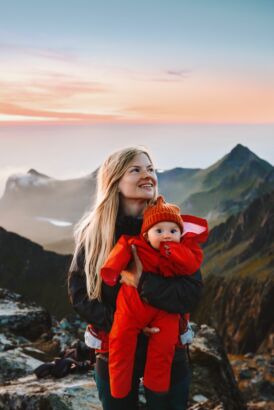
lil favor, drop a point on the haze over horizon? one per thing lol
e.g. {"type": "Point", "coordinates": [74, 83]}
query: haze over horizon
{"type": "Point", "coordinates": [64, 152]}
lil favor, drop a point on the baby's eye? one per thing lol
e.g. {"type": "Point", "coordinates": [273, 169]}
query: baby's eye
{"type": "Point", "coordinates": [173, 230]}
{"type": "Point", "coordinates": [159, 230]}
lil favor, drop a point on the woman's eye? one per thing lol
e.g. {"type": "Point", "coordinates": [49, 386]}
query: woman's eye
{"type": "Point", "coordinates": [135, 170]}
{"type": "Point", "coordinates": [151, 169]}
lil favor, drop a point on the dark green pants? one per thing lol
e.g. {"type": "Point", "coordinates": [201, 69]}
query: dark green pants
{"type": "Point", "coordinates": [130, 402]}
{"type": "Point", "coordinates": [176, 399]}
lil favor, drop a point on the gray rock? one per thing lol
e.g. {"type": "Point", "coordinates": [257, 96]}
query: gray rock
{"type": "Point", "coordinates": [66, 332]}
{"type": "Point", "coordinates": [212, 374]}
{"type": "Point", "coordinates": [16, 363]}
{"type": "Point", "coordinates": [246, 374]}
{"type": "Point", "coordinates": [24, 319]}
{"type": "Point", "coordinates": [10, 341]}
{"type": "Point", "coordinates": [71, 393]}
{"type": "Point", "coordinates": [199, 398]}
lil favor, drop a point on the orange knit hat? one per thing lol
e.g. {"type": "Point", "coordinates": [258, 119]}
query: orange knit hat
{"type": "Point", "coordinates": [159, 212]}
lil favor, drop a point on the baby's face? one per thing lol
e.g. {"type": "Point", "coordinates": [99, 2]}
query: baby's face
{"type": "Point", "coordinates": [163, 232]}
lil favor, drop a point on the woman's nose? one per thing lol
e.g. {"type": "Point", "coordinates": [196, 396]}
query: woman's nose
{"type": "Point", "coordinates": [144, 173]}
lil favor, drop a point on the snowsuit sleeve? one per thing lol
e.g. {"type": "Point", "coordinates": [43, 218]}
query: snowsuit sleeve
{"type": "Point", "coordinates": [184, 257]}
{"type": "Point", "coordinates": [117, 261]}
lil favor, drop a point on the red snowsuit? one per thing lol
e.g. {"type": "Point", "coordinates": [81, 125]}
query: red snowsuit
{"type": "Point", "coordinates": [132, 314]}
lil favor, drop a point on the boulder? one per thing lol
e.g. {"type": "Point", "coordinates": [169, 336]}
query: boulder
{"type": "Point", "coordinates": [15, 363]}
{"type": "Point", "coordinates": [21, 318]}
{"type": "Point", "coordinates": [9, 340]}
{"type": "Point", "coordinates": [212, 376]}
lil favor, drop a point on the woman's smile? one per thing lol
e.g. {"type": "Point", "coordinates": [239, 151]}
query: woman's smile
{"type": "Point", "coordinates": [147, 186]}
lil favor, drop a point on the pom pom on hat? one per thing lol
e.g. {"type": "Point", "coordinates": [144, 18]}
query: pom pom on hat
{"type": "Point", "coordinates": [160, 212]}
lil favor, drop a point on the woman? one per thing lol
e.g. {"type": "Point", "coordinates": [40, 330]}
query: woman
{"type": "Point", "coordinates": [127, 182]}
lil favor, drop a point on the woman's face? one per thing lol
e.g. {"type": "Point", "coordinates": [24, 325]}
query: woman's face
{"type": "Point", "coordinates": [140, 180]}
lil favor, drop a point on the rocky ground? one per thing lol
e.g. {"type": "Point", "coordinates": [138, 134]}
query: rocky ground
{"type": "Point", "coordinates": [71, 392]}
{"type": "Point", "coordinates": [254, 374]}
{"type": "Point", "coordinates": [30, 337]}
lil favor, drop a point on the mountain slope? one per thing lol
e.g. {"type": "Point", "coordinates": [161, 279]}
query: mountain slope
{"type": "Point", "coordinates": [39, 275]}
{"type": "Point", "coordinates": [229, 185]}
{"type": "Point", "coordinates": [239, 281]}
{"type": "Point", "coordinates": [45, 209]}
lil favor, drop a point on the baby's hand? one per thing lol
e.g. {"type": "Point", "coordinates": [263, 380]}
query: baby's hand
{"type": "Point", "coordinates": [129, 278]}
{"type": "Point", "coordinates": [148, 331]}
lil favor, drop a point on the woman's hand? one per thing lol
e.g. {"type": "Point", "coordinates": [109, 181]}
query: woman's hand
{"type": "Point", "coordinates": [132, 274]}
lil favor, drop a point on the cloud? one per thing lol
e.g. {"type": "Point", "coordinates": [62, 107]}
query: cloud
{"type": "Point", "coordinates": [43, 52]}
{"type": "Point", "coordinates": [13, 109]}
{"type": "Point", "coordinates": [167, 76]}
{"type": "Point", "coordinates": [172, 76]}
{"type": "Point", "coordinates": [179, 73]}
{"type": "Point", "coordinates": [70, 87]}
{"type": "Point", "coordinates": [50, 89]}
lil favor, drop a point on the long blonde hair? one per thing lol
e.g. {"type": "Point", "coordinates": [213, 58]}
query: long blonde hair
{"type": "Point", "coordinates": [95, 232]}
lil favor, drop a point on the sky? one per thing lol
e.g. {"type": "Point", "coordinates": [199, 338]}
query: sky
{"type": "Point", "coordinates": [139, 61]}
{"type": "Point", "coordinates": [188, 79]}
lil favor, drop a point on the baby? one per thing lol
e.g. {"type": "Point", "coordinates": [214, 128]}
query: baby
{"type": "Point", "coordinates": [169, 246]}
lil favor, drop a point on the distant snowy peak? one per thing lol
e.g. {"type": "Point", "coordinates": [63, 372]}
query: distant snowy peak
{"type": "Point", "coordinates": [37, 174]}
{"type": "Point", "coordinates": [31, 179]}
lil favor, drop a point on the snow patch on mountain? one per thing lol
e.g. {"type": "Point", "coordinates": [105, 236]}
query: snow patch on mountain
{"type": "Point", "coordinates": [55, 222]}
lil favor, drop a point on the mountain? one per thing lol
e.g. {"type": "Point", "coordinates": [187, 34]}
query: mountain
{"type": "Point", "coordinates": [227, 186]}
{"type": "Point", "coordinates": [39, 275]}
{"type": "Point", "coordinates": [45, 209]}
{"type": "Point", "coordinates": [176, 184]}
{"type": "Point", "coordinates": [239, 282]}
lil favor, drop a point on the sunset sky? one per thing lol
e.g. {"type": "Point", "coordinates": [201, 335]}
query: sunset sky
{"type": "Point", "coordinates": [139, 61]}
{"type": "Point", "coordinates": [80, 78]}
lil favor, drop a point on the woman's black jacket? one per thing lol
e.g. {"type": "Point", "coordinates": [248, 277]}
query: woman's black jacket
{"type": "Point", "coordinates": [175, 295]}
